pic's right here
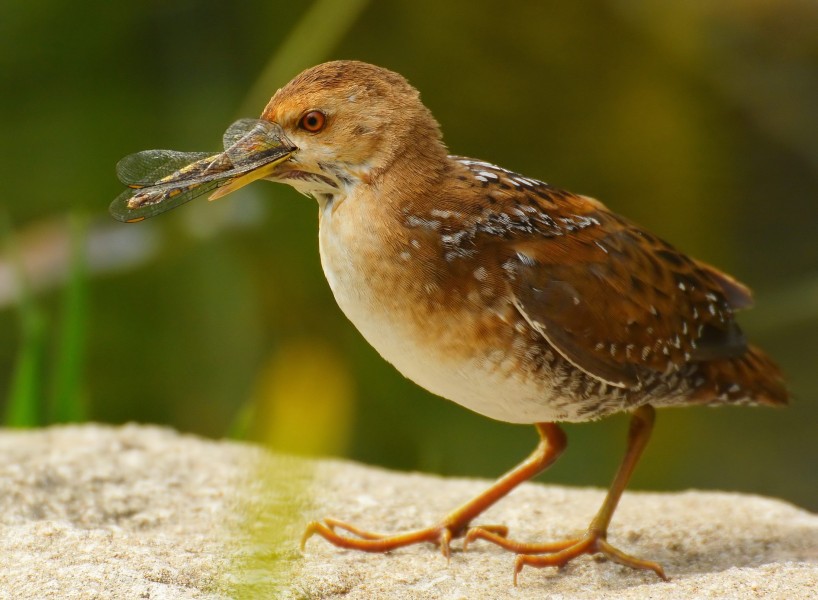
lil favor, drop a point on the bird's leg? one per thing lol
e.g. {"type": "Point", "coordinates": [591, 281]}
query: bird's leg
{"type": "Point", "coordinates": [594, 540]}
{"type": "Point", "coordinates": [454, 524]}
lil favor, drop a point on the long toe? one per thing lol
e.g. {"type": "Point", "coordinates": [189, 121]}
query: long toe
{"type": "Point", "coordinates": [368, 541]}
{"type": "Point", "coordinates": [589, 544]}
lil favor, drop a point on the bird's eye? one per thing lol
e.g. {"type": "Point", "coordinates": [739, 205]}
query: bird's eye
{"type": "Point", "coordinates": [313, 121]}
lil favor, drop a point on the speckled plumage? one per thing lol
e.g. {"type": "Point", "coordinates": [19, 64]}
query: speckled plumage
{"type": "Point", "coordinates": [516, 299]}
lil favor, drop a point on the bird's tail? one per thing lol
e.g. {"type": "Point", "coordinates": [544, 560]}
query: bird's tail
{"type": "Point", "coordinates": [752, 378]}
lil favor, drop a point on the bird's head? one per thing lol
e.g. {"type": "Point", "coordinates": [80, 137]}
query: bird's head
{"type": "Point", "coordinates": [351, 122]}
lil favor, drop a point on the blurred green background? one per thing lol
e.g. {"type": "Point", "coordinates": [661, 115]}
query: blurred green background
{"type": "Point", "coordinates": [696, 119]}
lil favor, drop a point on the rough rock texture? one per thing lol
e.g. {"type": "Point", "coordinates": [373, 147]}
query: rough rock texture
{"type": "Point", "coordinates": [143, 512]}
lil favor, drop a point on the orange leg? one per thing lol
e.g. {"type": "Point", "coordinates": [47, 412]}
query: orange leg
{"type": "Point", "coordinates": [594, 540]}
{"type": "Point", "coordinates": [552, 443]}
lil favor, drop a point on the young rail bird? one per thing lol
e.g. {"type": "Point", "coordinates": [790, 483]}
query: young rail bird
{"type": "Point", "coordinates": [521, 301]}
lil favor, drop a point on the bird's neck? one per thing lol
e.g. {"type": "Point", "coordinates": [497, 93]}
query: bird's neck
{"type": "Point", "coordinates": [417, 172]}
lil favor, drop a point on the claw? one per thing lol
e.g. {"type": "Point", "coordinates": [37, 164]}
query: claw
{"type": "Point", "coordinates": [444, 541]}
{"type": "Point", "coordinates": [309, 531]}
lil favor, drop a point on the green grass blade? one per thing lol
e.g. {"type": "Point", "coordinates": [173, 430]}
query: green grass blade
{"type": "Point", "coordinates": [24, 401]}
{"type": "Point", "coordinates": [66, 401]}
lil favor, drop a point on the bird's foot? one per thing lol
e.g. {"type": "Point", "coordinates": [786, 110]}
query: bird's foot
{"type": "Point", "coordinates": [440, 534]}
{"type": "Point", "coordinates": [559, 554]}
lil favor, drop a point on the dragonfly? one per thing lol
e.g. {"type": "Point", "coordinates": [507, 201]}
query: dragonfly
{"type": "Point", "coordinates": [160, 180]}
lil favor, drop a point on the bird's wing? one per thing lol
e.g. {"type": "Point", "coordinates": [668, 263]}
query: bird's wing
{"type": "Point", "coordinates": [614, 300]}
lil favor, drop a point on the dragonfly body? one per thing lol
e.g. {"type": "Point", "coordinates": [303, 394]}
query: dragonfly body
{"type": "Point", "coordinates": [182, 181]}
{"type": "Point", "coordinates": [159, 180]}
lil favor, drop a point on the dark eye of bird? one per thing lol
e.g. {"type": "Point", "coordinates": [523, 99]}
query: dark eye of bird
{"type": "Point", "coordinates": [313, 121]}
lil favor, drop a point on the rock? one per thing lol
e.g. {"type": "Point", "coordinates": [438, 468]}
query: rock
{"type": "Point", "coordinates": [143, 512]}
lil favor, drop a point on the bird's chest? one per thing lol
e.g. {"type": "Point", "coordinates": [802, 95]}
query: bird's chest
{"type": "Point", "coordinates": [359, 262]}
{"type": "Point", "coordinates": [447, 340]}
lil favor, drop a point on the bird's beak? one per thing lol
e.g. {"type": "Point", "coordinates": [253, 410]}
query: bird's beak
{"type": "Point", "coordinates": [268, 154]}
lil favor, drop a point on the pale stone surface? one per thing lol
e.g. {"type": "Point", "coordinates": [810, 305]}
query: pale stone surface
{"type": "Point", "coordinates": [143, 512]}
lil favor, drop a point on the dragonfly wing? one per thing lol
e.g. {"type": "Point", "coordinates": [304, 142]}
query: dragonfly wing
{"type": "Point", "coordinates": [255, 141]}
{"type": "Point", "coordinates": [137, 205]}
{"type": "Point", "coordinates": [149, 166]}
{"type": "Point", "coordinates": [241, 129]}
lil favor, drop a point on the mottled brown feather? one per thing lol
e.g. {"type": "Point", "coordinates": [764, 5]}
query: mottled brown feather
{"type": "Point", "coordinates": [588, 309]}
{"type": "Point", "coordinates": [613, 299]}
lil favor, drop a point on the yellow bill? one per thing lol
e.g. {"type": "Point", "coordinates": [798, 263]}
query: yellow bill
{"type": "Point", "coordinates": [239, 182]}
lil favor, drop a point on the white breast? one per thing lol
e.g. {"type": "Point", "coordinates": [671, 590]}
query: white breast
{"type": "Point", "coordinates": [485, 382]}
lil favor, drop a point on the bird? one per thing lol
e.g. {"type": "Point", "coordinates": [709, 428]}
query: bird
{"type": "Point", "coordinates": [518, 300]}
